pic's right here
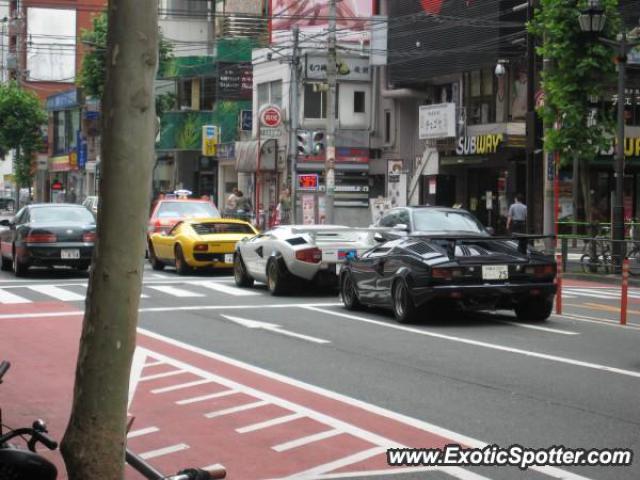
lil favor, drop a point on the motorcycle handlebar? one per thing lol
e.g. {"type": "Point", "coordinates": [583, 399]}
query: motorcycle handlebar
{"type": "Point", "coordinates": [210, 473]}
{"type": "Point", "coordinates": [45, 439]}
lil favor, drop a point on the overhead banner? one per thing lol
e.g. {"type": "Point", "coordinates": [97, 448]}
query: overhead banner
{"type": "Point", "coordinates": [437, 121]}
{"type": "Point", "coordinates": [312, 18]}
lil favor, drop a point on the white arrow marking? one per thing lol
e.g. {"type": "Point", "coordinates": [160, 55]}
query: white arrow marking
{"type": "Point", "coordinates": [272, 327]}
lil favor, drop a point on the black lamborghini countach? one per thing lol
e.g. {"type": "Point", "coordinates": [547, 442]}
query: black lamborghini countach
{"type": "Point", "coordinates": [445, 257]}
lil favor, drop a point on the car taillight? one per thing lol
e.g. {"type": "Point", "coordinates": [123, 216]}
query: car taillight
{"type": "Point", "coordinates": [89, 237]}
{"type": "Point", "coordinates": [41, 238]}
{"type": "Point", "coordinates": [160, 226]}
{"type": "Point", "coordinates": [309, 255]}
{"type": "Point", "coordinates": [201, 247]}
{"type": "Point", "coordinates": [544, 270]}
{"type": "Point", "coordinates": [446, 273]}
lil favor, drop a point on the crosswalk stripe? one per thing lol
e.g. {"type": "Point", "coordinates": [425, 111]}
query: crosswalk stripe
{"type": "Point", "coordinates": [8, 297]}
{"type": "Point", "coordinates": [590, 293]}
{"type": "Point", "coordinates": [239, 292]}
{"type": "Point", "coordinates": [176, 292]}
{"type": "Point", "coordinates": [57, 293]}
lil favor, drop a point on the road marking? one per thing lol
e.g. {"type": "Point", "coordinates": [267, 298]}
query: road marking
{"type": "Point", "coordinates": [536, 327]}
{"type": "Point", "coordinates": [180, 386]}
{"type": "Point", "coordinates": [377, 473]}
{"type": "Point", "coordinates": [272, 327]}
{"type": "Point", "coordinates": [588, 293]}
{"type": "Point", "coordinates": [340, 463]}
{"type": "Point", "coordinates": [330, 421]}
{"type": "Point", "coordinates": [153, 363]}
{"type": "Point", "coordinates": [210, 396]}
{"type": "Point", "coordinates": [492, 346]}
{"type": "Point", "coordinates": [176, 292]}
{"type": "Point", "coordinates": [608, 323]}
{"type": "Point", "coordinates": [239, 408]}
{"type": "Point", "coordinates": [239, 292]}
{"type": "Point", "coordinates": [142, 431]}
{"type": "Point", "coordinates": [57, 293]}
{"type": "Point", "coordinates": [161, 375]}
{"type": "Point", "coordinates": [8, 297]}
{"type": "Point", "coordinates": [269, 423]}
{"type": "Point", "coordinates": [164, 451]}
{"type": "Point", "coordinates": [299, 442]}
{"type": "Point", "coordinates": [42, 315]}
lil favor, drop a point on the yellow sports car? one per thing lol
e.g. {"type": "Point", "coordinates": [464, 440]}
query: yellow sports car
{"type": "Point", "coordinates": [198, 243]}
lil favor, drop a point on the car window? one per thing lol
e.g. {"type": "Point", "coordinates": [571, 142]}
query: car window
{"type": "Point", "coordinates": [221, 227]}
{"type": "Point", "coordinates": [389, 220]}
{"type": "Point", "coordinates": [403, 217]}
{"type": "Point", "coordinates": [175, 228]}
{"type": "Point", "coordinates": [20, 216]}
{"type": "Point", "coordinates": [377, 252]}
{"type": "Point", "coordinates": [76, 214]}
{"type": "Point", "coordinates": [442, 221]}
{"type": "Point", "coordinates": [186, 210]}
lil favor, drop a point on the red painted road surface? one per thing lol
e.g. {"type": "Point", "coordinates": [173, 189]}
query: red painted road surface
{"type": "Point", "coordinates": [186, 406]}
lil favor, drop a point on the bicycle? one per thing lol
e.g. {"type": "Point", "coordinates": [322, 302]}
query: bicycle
{"type": "Point", "coordinates": [596, 253]}
{"type": "Point", "coordinates": [26, 464]}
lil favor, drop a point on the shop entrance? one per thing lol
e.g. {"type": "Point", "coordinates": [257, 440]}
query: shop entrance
{"type": "Point", "coordinates": [487, 194]}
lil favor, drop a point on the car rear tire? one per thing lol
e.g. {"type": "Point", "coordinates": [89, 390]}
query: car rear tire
{"type": "Point", "coordinates": [277, 277]}
{"type": "Point", "coordinates": [5, 264]}
{"type": "Point", "coordinates": [534, 309]}
{"type": "Point", "coordinates": [403, 307]}
{"type": "Point", "coordinates": [156, 264]}
{"type": "Point", "coordinates": [181, 264]}
{"type": "Point", "coordinates": [240, 274]}
{"type": "Point", "coordinates": [19, 268]}
{"type": "Point", "coordinates": [349, 294]}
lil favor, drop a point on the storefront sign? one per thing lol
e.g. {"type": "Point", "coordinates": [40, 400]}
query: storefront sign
{"type": "Point", "coordinates": [226, 151]}
{"type": "Point", "coordinates": [235, 81]}
{"type": "Point", "coordinates": [270, 122]}
{"type": "Point", "coordinates": [56, 186]}
{"type": "Point", "coordinates": [631, 148]}
{"type": "Point", "coordinates": [308, 209]}
{"type": "Point", "coordinates": [246, 120]}
{"type": "Point", "coordinates": [396, 183]}
{"type": "Point", "coordinates": [478, 145]}
{"type": "Point", "coordinates": [63, 101]}
{"type": "Point", "coordinates": [73, 160]}
{"type": "Point", "coordinates": [59, 164]}
{"type": "Point", "coordinates": [437, 121]}
{"type": "Point", "coordinates": [308, 182]}
{"type": "Point", "coordinates": [82, 150]}
{"type": "Point", "coordinates": [348, 68]}
{"type": "Point", "coordinates": [210, 138]}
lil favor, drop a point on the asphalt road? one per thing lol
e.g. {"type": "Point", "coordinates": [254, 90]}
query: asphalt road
{"type": "Point", "coordinates": [472, 378]}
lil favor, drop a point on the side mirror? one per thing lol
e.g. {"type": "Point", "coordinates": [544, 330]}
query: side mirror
{"type": "Point", "coordinates": [379, 238]}
{"type": "Point", "coordinates": [401, 227]}
{"type": "Point", "coordinates": [490, 230]}
{"type": "Point", "coordinates": [5, 223]}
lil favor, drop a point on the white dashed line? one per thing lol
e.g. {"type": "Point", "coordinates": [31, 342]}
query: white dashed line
{"type": "Point", "coordinates": [180, 386]}
{"type": "Point", "coordinates": [239, 408]}
{"type": "Point", "coordinates": [299, 442]}
{"type": "Point", "coordinates": [210, 396]}
{"type": "Point", "coordinates": [270, 423]}
{"type": "Point", "coordinates": [142, 431]}
{"type": "Point", "coordinates": [164, 451]}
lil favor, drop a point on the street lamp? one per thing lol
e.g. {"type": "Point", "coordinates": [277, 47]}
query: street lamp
{"type": "Point", "coordinates": [592, 20]}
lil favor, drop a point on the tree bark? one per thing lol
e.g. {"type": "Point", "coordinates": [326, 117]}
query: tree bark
{"type": "Point", "coordinates": [94, 442]}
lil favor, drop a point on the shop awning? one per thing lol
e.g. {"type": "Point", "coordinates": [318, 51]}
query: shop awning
{"type": "Point", "coordinates": [247, 156]}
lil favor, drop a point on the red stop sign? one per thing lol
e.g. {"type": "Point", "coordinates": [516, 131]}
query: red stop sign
{"type": "Point", "coordinates": [271, 117]}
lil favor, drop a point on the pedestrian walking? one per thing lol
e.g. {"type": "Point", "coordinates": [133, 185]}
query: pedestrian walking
{"type": "Point", "coordinates": [517, 217]}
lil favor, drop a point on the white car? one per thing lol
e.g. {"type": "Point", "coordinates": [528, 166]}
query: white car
{"type": "Point", "coordinates": [290, 253]}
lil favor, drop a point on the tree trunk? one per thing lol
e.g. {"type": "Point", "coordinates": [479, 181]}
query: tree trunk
{"type": "Point", "coordinates": [94, 442]}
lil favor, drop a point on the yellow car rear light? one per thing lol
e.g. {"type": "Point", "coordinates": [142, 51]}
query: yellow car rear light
{"type": "Point", "coordinates": [201, 247]}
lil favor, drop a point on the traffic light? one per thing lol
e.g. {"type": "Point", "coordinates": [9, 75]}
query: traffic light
{"type": "Point", "coordinates": [319, 142]}
{"type": "Point", "coordinates": [303, 143]}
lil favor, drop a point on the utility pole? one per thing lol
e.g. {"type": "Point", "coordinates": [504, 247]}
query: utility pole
{"type": "Point", "coordinates": [531, 125]}
{"type": "Point", "coordinates": [294, 114]}
{"type": "Point", "coordinates": [330, 160]}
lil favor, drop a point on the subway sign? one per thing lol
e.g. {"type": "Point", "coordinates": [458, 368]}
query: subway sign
{"type": "Point", "coordinates": [478, 145]}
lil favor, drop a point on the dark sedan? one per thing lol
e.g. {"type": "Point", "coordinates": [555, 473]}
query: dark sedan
{"type": "Point", "coordinates": [450, 260]}
{"type": "Point", "coordinates": [48, 235]}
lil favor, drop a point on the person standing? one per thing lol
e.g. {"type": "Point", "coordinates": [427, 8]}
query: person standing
{"type": "Point", "coordinates": [284, 208]}
{"type": "Point", "coordinates": [517, 217]}
{"type": "Point", "coordinates": [231, 204]}
{"type": "Point", "coordinates": [244, 207]}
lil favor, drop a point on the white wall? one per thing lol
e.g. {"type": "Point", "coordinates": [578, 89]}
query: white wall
{"type": "Point", "coordinates": [181, 30]}
{"type": "Point", "coordinates": [51, 50]}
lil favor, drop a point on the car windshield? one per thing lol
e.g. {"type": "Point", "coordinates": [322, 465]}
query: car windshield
{"type": "Point", "coordinates": [219, 227]}
{"type": "Point", "coordinates": [443, 221]}
{"type": "Point", "coordinates": [61, 215]}
{"type": "Point", "coordinates": [187, 209]}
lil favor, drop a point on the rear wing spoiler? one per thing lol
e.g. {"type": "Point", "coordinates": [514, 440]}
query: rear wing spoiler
{"type": "Point", "coordinates": [313, 231]}
{"type": "Point", "coordinates": [523, 240]}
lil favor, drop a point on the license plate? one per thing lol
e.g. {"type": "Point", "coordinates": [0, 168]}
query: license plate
{"type": "Point", "coordinates": [329, 256]}
{"type": "Point", "coordinates": [70, 254]}
{"type": "Point", "coordinates": [228, 258]}
{"type": "Point", "coordinates": [495, 272]}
